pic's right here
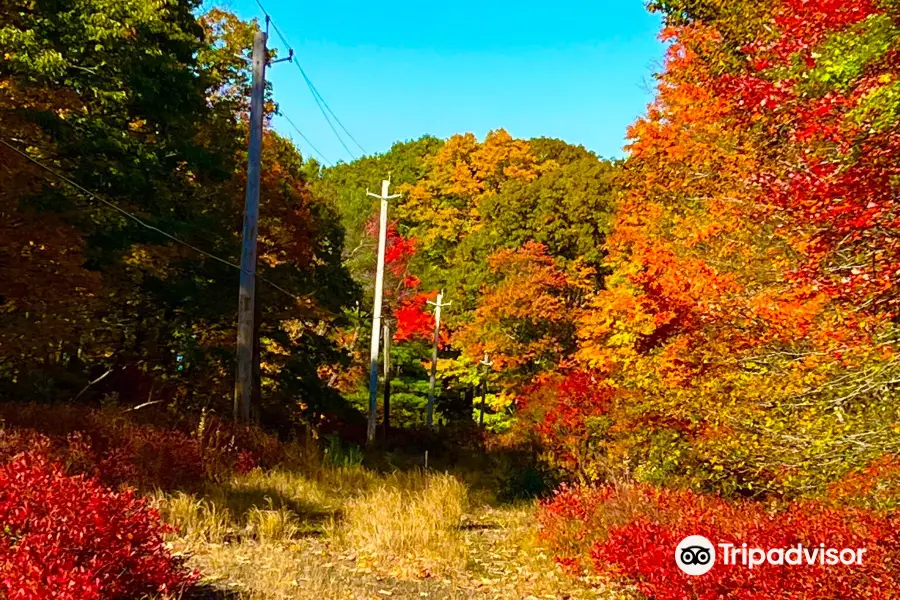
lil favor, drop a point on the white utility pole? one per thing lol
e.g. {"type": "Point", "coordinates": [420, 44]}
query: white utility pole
{"type": "Point", "coordinates": [376, 312]}
{"type": "Point", "coordinates": [243, 388]}
{"type": "Point", "coordinates": [429, 418]}
{"type": "Point", "coordinates": [386, 403]}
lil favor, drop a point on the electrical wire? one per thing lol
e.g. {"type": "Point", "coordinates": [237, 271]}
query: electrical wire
{"type": "Point", "coordinates": [322, 104]}
{"type": "Point", "coordinates": [306, 139]}
{"type": "Point", "coordinates": [135, 218]}
{"type": "Point", "coordinates": [319, 103]}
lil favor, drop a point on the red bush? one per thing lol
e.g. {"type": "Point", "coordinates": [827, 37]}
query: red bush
{"type": "Point", "coordinates": [576, 517]}
{"type": "Point", "coordinates": [118, 451]}
{"type": "Point", "coordinates": [69, 538]}
{"type": "Point", "coordinates": [632, 534]}
{"type": "Point", "coordinates": [567, 521]}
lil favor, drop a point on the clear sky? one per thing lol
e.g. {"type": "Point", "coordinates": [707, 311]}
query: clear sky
{"type": "Point", "coordinates": [577, 70]}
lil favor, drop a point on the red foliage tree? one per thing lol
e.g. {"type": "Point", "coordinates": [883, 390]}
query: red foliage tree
{"type": "Point", "coordinates": [398, 250]}
{"type": "Point", "coordinates": [567, 412]}
{"type": "Point", "coordinates": [414, 320]}
{"type": "Point", "coordinates": [821, 91]}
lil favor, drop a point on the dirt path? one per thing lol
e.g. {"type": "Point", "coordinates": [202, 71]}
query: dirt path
{"type": "Point", "coordinates": [502, 562]}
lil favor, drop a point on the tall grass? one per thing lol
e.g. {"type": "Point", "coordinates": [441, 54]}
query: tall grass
{"type": "Point", "coordinates": [197, 519]}
{"type": "Point", "coordinates": [252, 527]}
{"type": "Point", "coordinates": [271, 506]}
{"type": "Point", "coordinates": [408, 516]}
{"type": "Point", "coordinates": [273, 525]}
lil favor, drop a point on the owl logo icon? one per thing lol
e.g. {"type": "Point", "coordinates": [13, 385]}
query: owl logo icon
{"type": "Point", "coordinates": [695, 555]}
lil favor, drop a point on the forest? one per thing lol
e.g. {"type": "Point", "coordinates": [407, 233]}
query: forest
{"type": "Point", "coordinates": [700, 338]}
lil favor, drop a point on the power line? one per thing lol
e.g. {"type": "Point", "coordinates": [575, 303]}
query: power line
{"type": "Point", "coordinates": [350, 135]}
{"type": "Point", "coordinates": [133, 217]}
{"type": "Point", "coordinates": [306, 139]}
{"type": "Point", "coordinates": [319, 99]}
{"type": "Point", "coordinates": [262, 8]}
{"type": "Point", "coordinates": [315, 96]}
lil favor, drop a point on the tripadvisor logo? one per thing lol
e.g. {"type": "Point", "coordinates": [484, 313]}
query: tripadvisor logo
{"type": "Point", "coordinates": [696, 555]}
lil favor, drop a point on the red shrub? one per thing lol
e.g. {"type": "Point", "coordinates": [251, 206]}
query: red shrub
{"type": "Point", "coordinates": [633, 535]}
{"type": "Point", "coordinates": [69, 538]}
{"type": "Point", "coordinates": [574, 518]}
{"type": "Point", "coordinates": [567, 521]}
{"type": "Point", "coordinates": [117, 451]}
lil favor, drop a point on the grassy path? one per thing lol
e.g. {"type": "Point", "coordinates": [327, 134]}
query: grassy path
{"type": "Point", "coordinates": [286, 536]}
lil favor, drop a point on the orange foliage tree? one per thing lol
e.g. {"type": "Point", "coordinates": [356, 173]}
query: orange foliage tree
{"type": "Point", "coordinates": [747, 318]}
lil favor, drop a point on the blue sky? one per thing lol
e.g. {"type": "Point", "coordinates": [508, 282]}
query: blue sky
{"type": "Point", "coordinates": [577, 70]}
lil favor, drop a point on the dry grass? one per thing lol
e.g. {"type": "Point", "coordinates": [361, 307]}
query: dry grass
{"type": "Point", "coordinates": [196, 518]}
{"type": "Point", "coordinates": [349, 533]}
{"type": "Point", "coordinates": [273, 525]}
{"type": "Point", "coordinates": [414, 518]}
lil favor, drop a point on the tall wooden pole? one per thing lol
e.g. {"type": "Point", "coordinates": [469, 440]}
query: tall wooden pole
{"type": "Point", "coordinates": [243, 388]}
{"type": "Point", "coordinates": [376, 312]}
{"type": "Point", "coordinates": [256, 389]}
{"type": "Point", "coordinates": [429, 417]}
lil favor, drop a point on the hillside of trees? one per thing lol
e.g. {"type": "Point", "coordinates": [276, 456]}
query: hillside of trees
{"type": "Point", "coordinates": [700, 338]}
{"type": "Point", "coordinates": [512, 231]}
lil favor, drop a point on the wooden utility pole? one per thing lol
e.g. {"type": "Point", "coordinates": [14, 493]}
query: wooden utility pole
{"type": "Point", "coordinates": [487, 364]}
{"type": "Point", "coordinates": [376, 312]}
{"type": "Point", "coordinates": [243, 388]}
{"type": "Point", "coordinates": [429, 418]}
{"type": "Point", "coordinates": [256, 389]}
{"type": "Point", "coordinates": [387, 379]}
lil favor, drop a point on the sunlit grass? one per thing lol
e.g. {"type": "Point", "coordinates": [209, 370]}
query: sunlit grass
{"type": "Point", "coordinates": [349, 532]}
{"type": "Point", "coordinates": [197, 519]}
{"type": "Point", "coordinates": [413, 516]}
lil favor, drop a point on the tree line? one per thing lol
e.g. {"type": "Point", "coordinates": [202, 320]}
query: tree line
{"type": "Point", "coordinates": [717, 310]}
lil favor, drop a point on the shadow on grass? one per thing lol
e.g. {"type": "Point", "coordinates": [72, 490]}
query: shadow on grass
{"type": "Point", "coordinates": [210, 592]}
{"type": "Point", "coordinates": [478, 527]}
{"type": "Point", "coordinates": [241, 501]}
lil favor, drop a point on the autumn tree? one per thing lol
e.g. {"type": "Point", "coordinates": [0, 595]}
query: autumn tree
{"type": "Point", "coordinates": [526, 316]}
{"type": "Point", "coordinates": [106, 93]}
{"type": "Point", "coordinates": [146, 106]}
{"type": "Point", "coordinates": [465, 201]}
{"type": "Point", "coordinates": [746, 320]}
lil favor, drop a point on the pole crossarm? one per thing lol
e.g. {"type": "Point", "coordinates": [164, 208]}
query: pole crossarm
{"type": "Point", "coordinates": [288, 58]}
{"type": "Point", "coordinates": [380, 197]}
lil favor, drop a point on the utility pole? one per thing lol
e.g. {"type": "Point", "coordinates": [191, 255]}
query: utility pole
{"type": "Point", "coordinates": [376, 312]}
{"type": "Point", "coordinates": [429, 418]}
{"type": "Point", "coordinates": [487, 365]}
{"type": "Point", "coordinates": [256, 389]}
{"type": "Point", "coordinates": [246, 386]}
{"type": "Point", "coordinates": [387, 378]}
{"type": "Point", "coordinates": [243, 388]}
